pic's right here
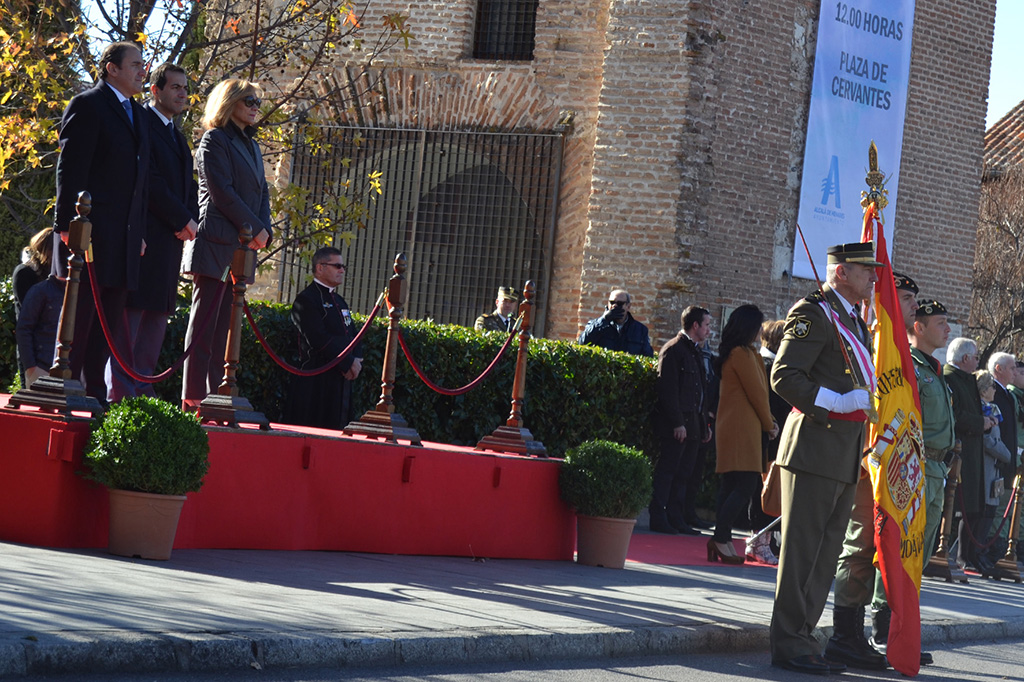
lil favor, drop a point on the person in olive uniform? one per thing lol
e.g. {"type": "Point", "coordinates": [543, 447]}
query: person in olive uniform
{"type": "Point", "coordinates": [857, 581]}
{"type": "Point", "coordinates": [931, 332]}
{"type": "Point", "coordinates": [501, 320]}
{"type": "Point", "coordinates": [820, 450]}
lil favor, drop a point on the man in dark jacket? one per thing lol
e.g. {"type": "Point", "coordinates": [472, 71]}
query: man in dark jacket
{"type": "Point", "coordinates": [617, 329]}
{"type": "Point", "coordinates": [172, 220]}
{"type": "Point", "coordinates": [969, 425]}
{"type": "Point", "coordinates": [680, 420]}
{"type": "Point", "coordinates": [104, 149]}
{"type": "Point", "coordinates": [325, 330]}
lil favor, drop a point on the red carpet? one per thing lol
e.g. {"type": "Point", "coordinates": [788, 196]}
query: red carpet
{"type": "Point", "coordinates": [677, 550]}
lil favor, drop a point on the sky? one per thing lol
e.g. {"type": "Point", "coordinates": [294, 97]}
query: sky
{"type": "Point", "coordinates": [1006, 86]}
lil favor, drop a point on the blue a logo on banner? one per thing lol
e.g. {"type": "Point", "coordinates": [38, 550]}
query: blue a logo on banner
{"type": "Point", "coordinates": [858, 95]}
{"type": "Point", "coordinates": [830, 185]}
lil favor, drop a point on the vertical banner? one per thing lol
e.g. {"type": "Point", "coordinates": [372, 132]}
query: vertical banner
{"type": "Point", "coordinates": [858, 94]}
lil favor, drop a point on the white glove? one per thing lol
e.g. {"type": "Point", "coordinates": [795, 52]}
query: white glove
{"type": "Point", "coordinates": [843, 403]}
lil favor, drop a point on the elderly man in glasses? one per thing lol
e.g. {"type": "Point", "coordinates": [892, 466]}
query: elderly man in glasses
{"type": "Point", "coordinates": [617, 329]}
{"type": "Point", "coordinates": [325, 328]}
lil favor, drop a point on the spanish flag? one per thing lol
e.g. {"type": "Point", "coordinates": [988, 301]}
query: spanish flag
{"type": "Point", "coordinates": [896, 465]}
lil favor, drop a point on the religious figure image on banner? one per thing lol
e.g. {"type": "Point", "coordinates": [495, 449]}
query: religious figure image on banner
{"type": "Point", "coordinates": [896, 465]}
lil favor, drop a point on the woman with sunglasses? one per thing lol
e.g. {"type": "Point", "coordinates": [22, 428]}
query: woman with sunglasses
{"type": "Point", "coordinates": [233, 195]}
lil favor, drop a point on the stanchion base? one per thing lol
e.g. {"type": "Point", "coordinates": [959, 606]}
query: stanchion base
{"type": "Point", "coordinates": [383, 426]}
{"type": "Point", "coordinates": [1007, 568]}
{"type": "Point", "coordinates": [940, 565]}
{"type": "Point", "coordinates": [57, 398]}
{"type": "Point", "coordinates": [511, 439]}
{"type": "Point", "coordinates": [229, 410]}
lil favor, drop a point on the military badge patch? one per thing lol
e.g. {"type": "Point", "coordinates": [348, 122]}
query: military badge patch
{"type": "Point", "coordinates": [801, 327]}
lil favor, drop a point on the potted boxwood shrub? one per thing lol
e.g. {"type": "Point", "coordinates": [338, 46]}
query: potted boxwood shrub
{"type": "Point", "coordinates": [607, 484]}
{"type": "Point", "coordinates": [149, 454]}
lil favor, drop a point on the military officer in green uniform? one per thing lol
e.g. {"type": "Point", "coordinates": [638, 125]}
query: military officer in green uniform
{"type": "Point", "coordinates": [500, 319]}
{"type": "Point", "coordinates": [820, 447]}
{"type": "Point", "coordinates": [857, 580]}
{"type": "Point", "coordinates": [931, 332]}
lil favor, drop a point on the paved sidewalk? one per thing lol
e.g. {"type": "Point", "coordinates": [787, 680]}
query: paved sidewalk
{"type": "Point", "coordinates": [86, 611]}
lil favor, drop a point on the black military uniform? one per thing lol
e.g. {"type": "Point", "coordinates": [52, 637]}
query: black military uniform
{"type": "Point", "coordinates": [325, 329]}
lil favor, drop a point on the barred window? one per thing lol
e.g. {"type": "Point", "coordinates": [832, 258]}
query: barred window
{"type": "Point", "coordinates": [504, 29]}
{"type": "Point", "coordinates": [471, 210]}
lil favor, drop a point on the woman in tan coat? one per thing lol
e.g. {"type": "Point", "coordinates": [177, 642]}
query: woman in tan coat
{"type": "Point", "coordinates": [743, 413]}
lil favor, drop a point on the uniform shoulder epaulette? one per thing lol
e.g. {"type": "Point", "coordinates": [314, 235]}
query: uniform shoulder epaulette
{"type": "Point", "coordinates": [814, 297]}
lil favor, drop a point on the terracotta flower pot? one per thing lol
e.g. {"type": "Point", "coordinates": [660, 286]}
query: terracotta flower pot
{"type": "Point", "coordinates": [142, 524]}
{"type": "Point", "coordinates": [601, 541]}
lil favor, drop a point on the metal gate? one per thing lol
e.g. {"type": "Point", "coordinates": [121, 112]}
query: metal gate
{"type": "Point", "coordinates": [471, 210]}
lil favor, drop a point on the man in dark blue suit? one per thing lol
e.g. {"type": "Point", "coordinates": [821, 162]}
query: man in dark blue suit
{"type": "Point", "coordinates": [104, 149]}
{"type": "Point", "coordinates": [172, 220]}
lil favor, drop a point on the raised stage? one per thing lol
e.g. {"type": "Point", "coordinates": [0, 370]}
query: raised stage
{"type": "Point", "coordinates": [297, 488]}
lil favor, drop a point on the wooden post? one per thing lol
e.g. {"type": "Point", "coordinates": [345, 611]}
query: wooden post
{"type": "Point", "coordinates": [226, 406]}
{"type": "Point", "coordinates": [382, 421]}
{"type": "Point", "coordinates": [942, 564]}
{"type": "Point", "coordinates": [59, 393]}
{"type": "Point", "coordinates": [1007, 567]}
{"type": "Point", "coordinates": [513, 436]}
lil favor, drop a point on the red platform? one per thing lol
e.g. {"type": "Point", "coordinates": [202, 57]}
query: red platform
{"type": "Point", "coordinates": [299, 489]}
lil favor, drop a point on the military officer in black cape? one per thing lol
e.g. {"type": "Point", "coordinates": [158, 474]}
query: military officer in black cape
{"type": "Point", "coordinates": [325, 329]}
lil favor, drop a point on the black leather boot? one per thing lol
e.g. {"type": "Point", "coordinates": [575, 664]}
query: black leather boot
{"type": "Point", "coordinates": [880, 629]}
{"type": "Point", "coordinates": [880, 633]}
{"type": "Point", "coordinates": [659, 520]}
{"type": "Point", "coordinates": [848, 644]}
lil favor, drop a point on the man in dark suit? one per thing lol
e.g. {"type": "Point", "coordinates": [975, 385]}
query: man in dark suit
{"type": "Point", "coordinates": [1003, 368]}
{"type": "Point", "coordinates": [172, 220]}
{"type": "Point", "coordinates": [680, 420]}
{"type": "Point", "coordinates": [325, 329]}
{"type": "Point", "coordinates": [104, 149]}
{"type": "Point", "coordinates": [820, 448]}
{"type": "Point", "coordinates": [969, 425]}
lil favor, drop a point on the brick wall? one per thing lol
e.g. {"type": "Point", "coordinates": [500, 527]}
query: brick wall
{"type": "Point", "coordinates": [682, 168]}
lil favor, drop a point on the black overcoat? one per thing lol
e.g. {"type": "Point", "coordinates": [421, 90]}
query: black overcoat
{"type": "Point", "coordinates": [969, 428]}
{"type": "Point", "coordinates": [173, 201]}
{"type": "Point", "coordinates": [102, 152]}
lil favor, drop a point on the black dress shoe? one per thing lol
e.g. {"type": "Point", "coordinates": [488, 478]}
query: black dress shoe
{"type": "Point", "coordinates": [686, 529]}
{"type": "Point", "coordinates": [812, 664]}
{"type": "Point", "coordinates": [926, 658]}
{"type": "Point", "coordinates": [835, 666]}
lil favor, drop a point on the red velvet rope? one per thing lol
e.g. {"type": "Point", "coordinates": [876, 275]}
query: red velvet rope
{"type": "Point", "coordinates": [127, 366]}
{"type": "Point", "coordinates": [310, 372]}
{"type": "Point", "coordinates": [453, 391]}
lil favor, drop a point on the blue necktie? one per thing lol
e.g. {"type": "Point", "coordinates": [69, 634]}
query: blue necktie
{"type": "Point", "coordinates": [127, 104]}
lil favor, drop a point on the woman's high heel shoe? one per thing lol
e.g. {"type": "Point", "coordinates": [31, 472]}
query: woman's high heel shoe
{"type": "Point", "coordinates": [718, 552]}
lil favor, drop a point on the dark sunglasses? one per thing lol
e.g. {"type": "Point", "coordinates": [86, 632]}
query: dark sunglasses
{"type": "Point", "coordinates": [617, 303]}
{"type": "Point", "coordinates": [336, 266]}
{"type": "Point", "coordinates": [251, 101]}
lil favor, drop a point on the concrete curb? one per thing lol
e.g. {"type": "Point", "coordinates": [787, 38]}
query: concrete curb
{"type": "Point", "coordinates": [146, 653]}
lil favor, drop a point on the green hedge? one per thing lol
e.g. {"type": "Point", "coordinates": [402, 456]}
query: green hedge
{"type": "Point", "coordinates": [573, 393]}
